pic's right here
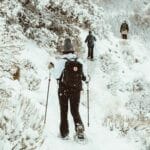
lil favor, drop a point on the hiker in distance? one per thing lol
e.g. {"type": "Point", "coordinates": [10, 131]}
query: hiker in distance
{"type": "Point", "coordinates": [69, 74]}
{"type": "Point", "coordinates": [124, 29]}
{"type": "Point", "coordinates": [90, 39]}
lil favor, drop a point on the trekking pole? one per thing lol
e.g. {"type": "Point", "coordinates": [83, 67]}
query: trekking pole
{"type": "Point", "coordinates": [49, 79]}
{"type": "Point", "coordinates": [88, 102]}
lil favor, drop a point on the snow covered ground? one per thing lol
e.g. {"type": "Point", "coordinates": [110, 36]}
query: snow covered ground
{"type": "Point", "coordinates": [119, 87]}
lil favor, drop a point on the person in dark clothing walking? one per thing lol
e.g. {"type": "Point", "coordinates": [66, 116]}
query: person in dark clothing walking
{"type": "Point", "coordinates": [124, 29]}
{"type": "Point", "coordinates": [90, 39]}
{"type": "Point", "coordinates": [69, 90]}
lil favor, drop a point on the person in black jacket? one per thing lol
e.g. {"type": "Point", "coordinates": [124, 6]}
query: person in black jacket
{"type": "Point", "coordinates": [124, 29]}
{"type": "Point", "coordinates": [90, 39]}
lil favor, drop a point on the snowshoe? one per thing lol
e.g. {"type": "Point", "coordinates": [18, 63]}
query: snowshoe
{"type": "Point", "coordinates": [79, 137]}
{"type": "Point", "coordinates": [80, 132]}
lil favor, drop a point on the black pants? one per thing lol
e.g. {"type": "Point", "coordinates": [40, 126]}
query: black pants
{"type": "Point", "coordinates": [66, 96]}
{"type": "Point", "coordinates": [90, 51]}
{"type": "Point", "coordinates": [124, 36]}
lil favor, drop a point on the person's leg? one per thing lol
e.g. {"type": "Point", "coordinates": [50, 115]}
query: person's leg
{"type": "Point", "coordinates": [74, 106]}
{"type": "Point", "coordinates": [63, 101]}
{"type": "Point", "coordinates": [124, 36]}
{"type": "Point", "coordinates": [92, 51]}
{"type": "Point", "coordinates": [88, 52]}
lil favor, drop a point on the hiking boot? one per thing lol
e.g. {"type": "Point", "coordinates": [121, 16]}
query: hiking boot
{"type": "Point", "coordinates": [81, 136]}
{"type": "Point", "coordinates": [64, 136]}
{"type": "Point", "coordinates": [80, 131]}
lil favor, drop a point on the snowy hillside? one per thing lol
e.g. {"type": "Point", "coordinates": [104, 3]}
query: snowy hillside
{"type": "Point", "coordinates": [32, 35]}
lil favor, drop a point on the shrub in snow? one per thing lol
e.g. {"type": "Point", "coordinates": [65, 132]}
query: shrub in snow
{"type": "Point", "coordinates": [32, 81]}
{"type": "Point", "coordinates": [141, 16]}
{"type": "Point", "coordinates": [135, 121]}
{"type": "Point", "coordinates": [4, 95]}
{"type": "Point", "coordinates": [21, 121]}
{"type": "Point", "coordinates": [43, 37]}
{"type": "Point", "coordinates": [15, 72]}
{"type": "Point", "coordinates": [29, 75]}
{"type": "Point", "coordinates": [107, 64]}
{"type": "Point", "coordinates": [28, 65]}
{"type": "Point", "coordinates": [21, 131]}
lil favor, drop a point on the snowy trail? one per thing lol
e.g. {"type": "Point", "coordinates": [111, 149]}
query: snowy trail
{"type": "Point", "coordinates": [101, 101]}
{"type": "Point", "coordinates": [32, 32]}
{"type": "Point", "coordinates": [99, 138]}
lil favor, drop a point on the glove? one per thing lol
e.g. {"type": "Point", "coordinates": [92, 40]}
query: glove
{"type": "Point", "coordinates": [51, 65]}
{"type": "Point", "coordinates": [87, 79]}
{"type": "Point", "coordinates": [84, 78]}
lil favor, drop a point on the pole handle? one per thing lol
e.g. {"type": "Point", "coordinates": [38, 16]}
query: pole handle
{"type": "Point", "coordinates": [89, 79]}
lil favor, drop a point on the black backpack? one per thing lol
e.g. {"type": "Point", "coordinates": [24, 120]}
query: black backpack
{"type": "Point", "coordinates": [124, 27]}
{"type": "Point", "coordinates": [72, 74]}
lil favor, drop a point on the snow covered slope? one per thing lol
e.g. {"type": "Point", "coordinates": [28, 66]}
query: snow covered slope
{"type": "Point", "coordinates": [31, 36]}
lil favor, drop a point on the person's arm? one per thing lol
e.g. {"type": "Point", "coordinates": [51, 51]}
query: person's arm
{"type": "Point", "coordinates": [58, 68]}
{"type": "Point", "coordinates": [86, 40]}
{"type": "Point", "coordinates": [120, 28]}
{"type": "Point", "coordinates": [83, 77]}
{"type": "Point", "coordinates": [84, 68]}
{"type": "Point", "coordinates": [127, 28]}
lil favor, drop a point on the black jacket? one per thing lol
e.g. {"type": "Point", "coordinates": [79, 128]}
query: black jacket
{"type": "Point", "coordinates": [124, 26]}
{"type": "Point", "coordinates": [90, 39]}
